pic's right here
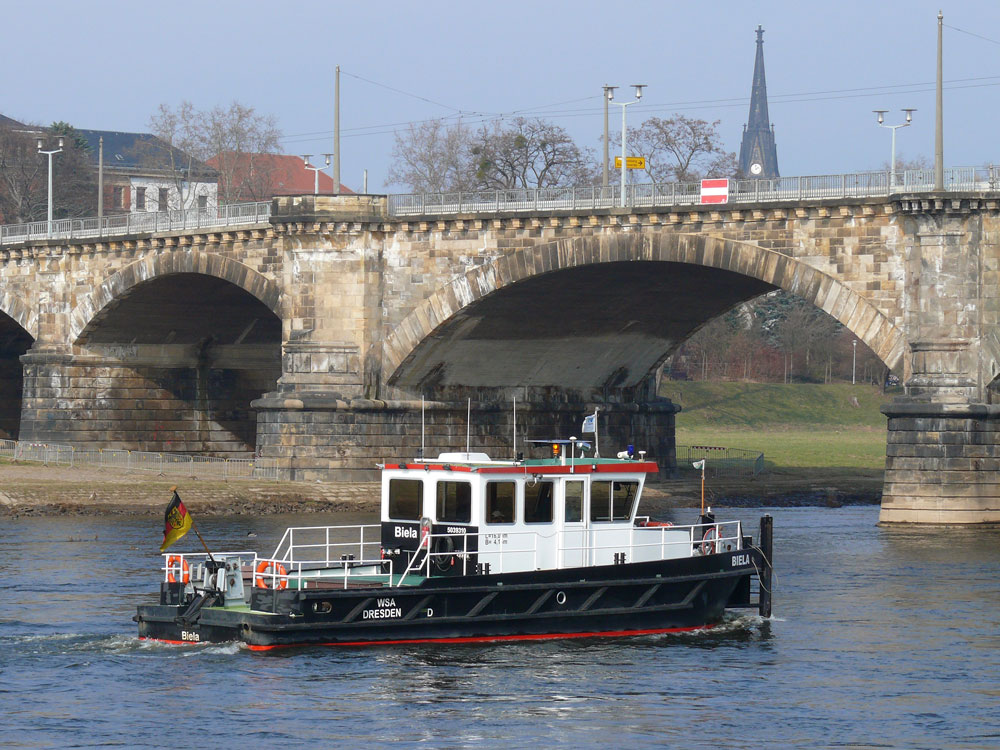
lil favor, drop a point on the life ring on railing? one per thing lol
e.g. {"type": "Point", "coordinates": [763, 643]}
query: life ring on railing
{"type": "Point", "coordinates": [179, 564]}
{"type": "Point", "coordinates": [441, 551]}
{"type": "Point", "coordinates": [647, 524]}
{"type": "Point", "coordinates": [709, 539]}
{"type": "Point", "coordinates": [269, 568]}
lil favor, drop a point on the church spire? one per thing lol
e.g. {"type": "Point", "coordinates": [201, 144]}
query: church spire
{"type": "Point", "coordinates": [758, 155]}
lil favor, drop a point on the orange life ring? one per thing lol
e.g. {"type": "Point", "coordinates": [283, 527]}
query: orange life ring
{"type": "Point", "coordinates": [655, 524]}
{"type": "Point", "coordinates": [269, 568]}
{"type": "Point", "coordinates": [178, 563]}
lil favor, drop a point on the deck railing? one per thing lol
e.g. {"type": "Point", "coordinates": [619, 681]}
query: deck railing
{"type": "Point", "coordinates": [202, 467]}
{"type": "Point", "coordinates": [651, 195]}
{"type": "Point", "coordinates": [236, 214]}
{"type": "Point", "coordinates": [520, 200]}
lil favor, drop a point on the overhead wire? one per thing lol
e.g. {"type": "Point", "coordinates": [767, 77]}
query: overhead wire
{"type": "Point", "coordinates": [474, 117]}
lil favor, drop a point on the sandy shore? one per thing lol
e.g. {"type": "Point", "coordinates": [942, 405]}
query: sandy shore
{"type": "Point", "coordinates": [32, 489]}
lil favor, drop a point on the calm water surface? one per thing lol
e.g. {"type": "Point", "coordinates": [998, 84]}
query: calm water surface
{"type": "Point", "coordinates": [881, 638]}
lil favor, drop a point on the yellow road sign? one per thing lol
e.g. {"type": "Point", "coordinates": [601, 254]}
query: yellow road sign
{"type": "Point", "coordinates": [631, 162]}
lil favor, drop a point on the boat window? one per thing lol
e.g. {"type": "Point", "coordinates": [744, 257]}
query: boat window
{"type": "Point", "coordinates": [454, 502]}
{"type": "Point", "coordinates": [612, 501]}
{"type": "Point", "coordinates": [500, 502]}
{"type": "Point", "coordinates": [538, 502]}
{"type": "Point", "coordinates": [600, 501]}
{"type": "Point", "coordinates": [574, 502]}
{"type": "Point", "coordinates": [623, 499]}
{"type": "Point", "coordinates": [405, 499]}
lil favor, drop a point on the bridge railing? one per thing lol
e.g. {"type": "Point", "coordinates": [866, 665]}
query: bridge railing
{"type": "Point", "coordinates": [651, 195]}
{"type": "Point", "coordinates": [235, 214]}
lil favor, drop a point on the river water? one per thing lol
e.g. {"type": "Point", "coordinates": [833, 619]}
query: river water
{"type": "Point", "coordinates": [881, 638]}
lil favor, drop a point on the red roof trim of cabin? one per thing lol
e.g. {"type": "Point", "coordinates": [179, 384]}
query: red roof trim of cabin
{"type": "Point", "coordinates": [648, 467]}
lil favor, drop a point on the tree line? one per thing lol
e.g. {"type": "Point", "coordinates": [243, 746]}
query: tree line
{"type": "Point", "coordinates": [446, 156]}
{"type": "Point", "coordinates": [778, 338]}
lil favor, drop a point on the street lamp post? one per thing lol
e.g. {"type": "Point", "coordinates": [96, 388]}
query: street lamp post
{"type": "Point", "coordinates": [315, 170]}
{"type": "Point", "coordinates": [50, 154]}
{"type": "Point", "coordinates": [611, 95]}
{"type": "Point", "coordinates": [893, 128]}
{"type": "Point", "coordinates": [854, 364]}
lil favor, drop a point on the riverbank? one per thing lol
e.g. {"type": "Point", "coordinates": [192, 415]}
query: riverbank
{"type": "Point", "coordinates": [34, 490]}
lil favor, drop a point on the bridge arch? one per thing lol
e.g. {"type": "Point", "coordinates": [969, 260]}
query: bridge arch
{"type": "Point", "coordinates": [16, 308]}
{"type": "Point", "coordinates": [164, 264]}
{"type": "Point", "coordinates": [745, 259]}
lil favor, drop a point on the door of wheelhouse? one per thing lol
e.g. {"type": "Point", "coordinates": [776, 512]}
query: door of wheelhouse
{"type": "Point", "coordinates": [572, 524]}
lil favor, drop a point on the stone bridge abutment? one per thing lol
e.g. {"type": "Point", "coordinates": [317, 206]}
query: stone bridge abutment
{"type": "Point", "coordinates": [337, 320]}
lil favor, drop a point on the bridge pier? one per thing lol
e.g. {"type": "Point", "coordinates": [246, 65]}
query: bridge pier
{"type": "Point", "coordinates": [942, 463]}
{"type": "Point", "coordinates": [315, 437]}
{"type": "Point", "coordinates": [943, 444]}
{"type": "Point", "coordinates": [168, 403]}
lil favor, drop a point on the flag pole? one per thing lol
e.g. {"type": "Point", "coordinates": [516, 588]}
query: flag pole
{"type": "Point", "coordinates": [597, 438]}
{"type": "Point", "coordinates": [194, 528]}
{"type": "Point", "coordinates": [702, 487]}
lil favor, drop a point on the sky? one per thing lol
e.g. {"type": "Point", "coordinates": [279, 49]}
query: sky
{"type": "Point", "coordinates": [108, 66]}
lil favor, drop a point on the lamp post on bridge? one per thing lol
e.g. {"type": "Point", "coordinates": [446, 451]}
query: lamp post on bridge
{"type": "Point", "coordinates": [611, 95]}
{"type": "Point", "coordinates": [50, 154]}
{"type": "Point", "coordinates": [315, 170]}
{"type": "Point", "coordinates": [881, 123]}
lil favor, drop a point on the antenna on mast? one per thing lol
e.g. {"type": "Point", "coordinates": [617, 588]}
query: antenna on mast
{"type": "Point", "coordinates": [421, 456]}
{"type": "Point", "coordinates": [468, 428]}
{"type": "Point", "coordinates": [515, 428]}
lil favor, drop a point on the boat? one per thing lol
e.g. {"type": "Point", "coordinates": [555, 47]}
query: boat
{"type": "Point", "coordinates": [471, 549]}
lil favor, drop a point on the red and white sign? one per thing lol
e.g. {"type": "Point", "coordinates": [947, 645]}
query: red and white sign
{"type": "Point", "coordinates": [714, 191]}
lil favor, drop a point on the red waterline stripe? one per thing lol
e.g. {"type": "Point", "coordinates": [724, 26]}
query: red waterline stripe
{"type": "Point", "coordinates": [173, 643]}
{"type": "Point", "coordinates": [490, 638]}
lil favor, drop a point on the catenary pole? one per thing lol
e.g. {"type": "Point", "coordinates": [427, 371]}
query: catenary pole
{"type": "Point", "coordinates": [939, 118]}
{"type": "Point", "coordinates": [336, 133]}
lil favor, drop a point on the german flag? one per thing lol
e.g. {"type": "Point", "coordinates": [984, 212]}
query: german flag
{"type": "Point", "coordinates": [176, 521]}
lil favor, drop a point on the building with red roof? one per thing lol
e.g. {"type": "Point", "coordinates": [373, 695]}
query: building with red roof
{"type": "Point", "coordinates": [255, 177]}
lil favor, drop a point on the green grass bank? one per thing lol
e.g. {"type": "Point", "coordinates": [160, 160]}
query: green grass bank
{"type": "Point", "coordinates": [798, 426]}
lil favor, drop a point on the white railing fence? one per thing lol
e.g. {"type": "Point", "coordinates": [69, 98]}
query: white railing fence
{"type": "Point", "coordinates": [651, 195]}
{"type": "Point", "coordinates": [236, 214]}
{"type": "Point", "coordinates": [588, 197]}
{"type": "Point", "coordinates": [202, 467]}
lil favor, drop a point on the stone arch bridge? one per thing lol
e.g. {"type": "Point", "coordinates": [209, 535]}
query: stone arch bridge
{"type": "Point", "coordinates": [313, 338]}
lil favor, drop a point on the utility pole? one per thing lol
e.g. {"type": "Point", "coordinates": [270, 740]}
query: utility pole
{"type": "Point", "coordinates": [336, 133]}
{"type": "Point", "coordinates": [939, 120]}
{"type": "Point", "coordinates": [100, 180]}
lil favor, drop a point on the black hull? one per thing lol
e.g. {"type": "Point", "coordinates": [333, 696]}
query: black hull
{"type": "Point", "coordinates": [649, 597]}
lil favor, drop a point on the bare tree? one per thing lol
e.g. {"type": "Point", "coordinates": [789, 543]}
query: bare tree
{"type": "Point", "coordinates": [74, 184]}
{"type": "Point", "coordinates": [432, 157]}
{"type": "Point", "coordinates": [520, 153]}
{"type": "Point", "coordinates": [682, 149]}
{"type": "Point", "coordinates": [528, 153]}
{"type": "Point", "coordinates": [234, 135]}
{"type": "Point", "coordinates": [22, 189]}
{"type": "Point", "coordinates": [237, 137]}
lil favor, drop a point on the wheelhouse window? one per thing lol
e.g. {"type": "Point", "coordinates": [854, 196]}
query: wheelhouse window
{"type": "Point", "coordinates": [574, 502]}
{"type": "Point", "coordinates": [405, 499]}
{"type": "Point", "coordinates": [454, 502]}
{"type": "Point", "coordinates": [612, 501]}
{"type": "Point", "coordinates": [538, 502]}
{"type": "Point", "coordinates": [500, 503]}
